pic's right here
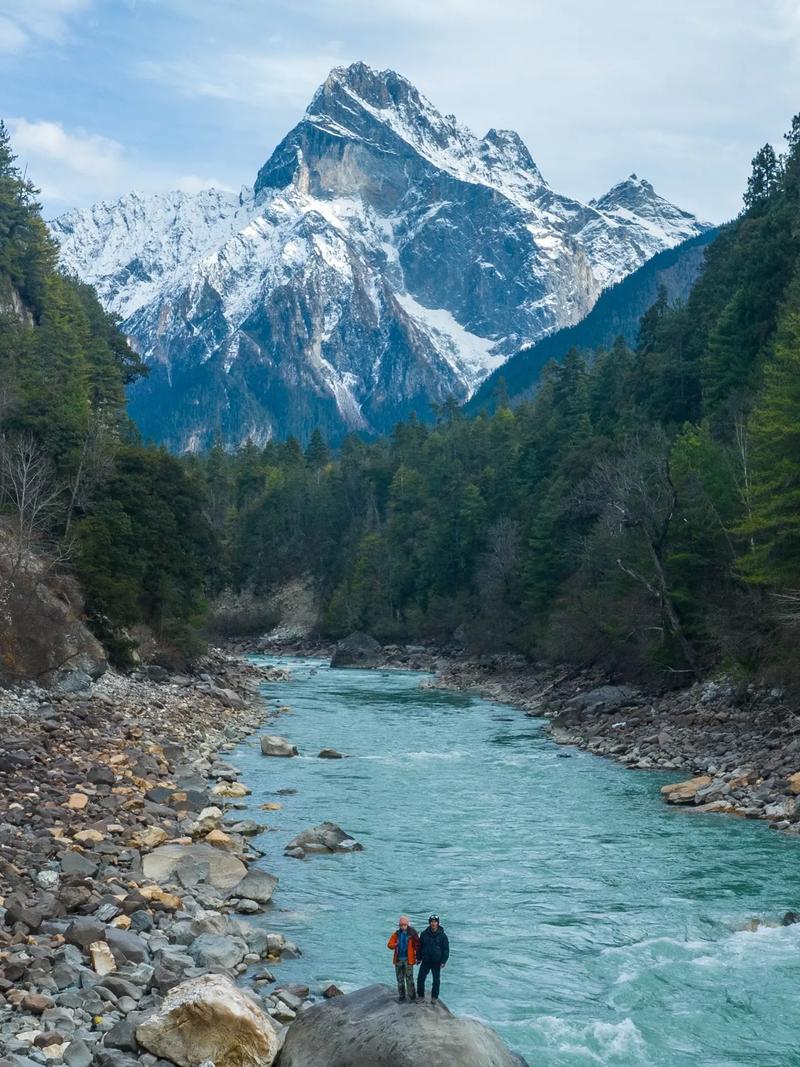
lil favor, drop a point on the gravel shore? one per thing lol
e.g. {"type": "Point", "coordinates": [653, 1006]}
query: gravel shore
{"type": "Point", "coordinates": [124, 861]}
{"type": "Point", "coordinates": [735, 749]}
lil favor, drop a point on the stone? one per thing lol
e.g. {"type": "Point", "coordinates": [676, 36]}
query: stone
{"type": "Point", "coordinates": [218, 950]}
{"type": "Point", "coordinates": [102, 958]}
{"type": "Point", "coordinates": [101, 775]}
{"type": "Point", "coordinates": [330, 753]}
{"type": "Point", "coordinates": [77, 801]}
{"type": "Point", "coordinates": [685, 792]}
{"type": "Point", "coordinates": [84, 930]}
{"type": "Point", "coordinates": [326, 837]}
{"type": "Point", "coordinates": [272, 745]}
{"type": "Point", "coordinates": [224, 870]}
{"type": "Point", "coordinates": [122, 1036]}
{"type": "Point", "coordinates": [231, 789]}
{"type": "Point", "coordinates": [208, 819]}
{"type": "Point", "coordinates": [77, 863]}
{"type": "Point", "coordinates": [126, 946]}
{"type": "Point", "coordinates": [357, 650]}
{"type": "Point", "coordinates": [36, 1003]}
{"type": "Point", "coordinates": [150, 838]}
{"type": "Point", "coordinates": [219, 839]}
{"type": "Point", "coordinates": [77, 1054]}
{"type": "Point", "coordinates": [210, 1018]}
{"type": "Point", "coordinates": [256, 885]}
{"type": "Point", "coordinates": [88, 837]}
{"type": "Point", "coordinates": [604, 698]}
{"type": "Point", "coordinates": [332, 991]}
{"type": "Point", "coordinates": [794, 783]}
{"type": "Point", "coordinates": [369, 1028]}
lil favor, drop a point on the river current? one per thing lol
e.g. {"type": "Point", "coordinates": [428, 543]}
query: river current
{"type": "Point", "coordinates": [589, 923]}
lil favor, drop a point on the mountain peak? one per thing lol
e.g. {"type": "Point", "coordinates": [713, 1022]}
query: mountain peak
{"type": "Point", "coordinates": [380, 88]}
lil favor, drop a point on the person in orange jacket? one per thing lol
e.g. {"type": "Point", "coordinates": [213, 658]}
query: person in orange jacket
{"type": "Point", "coordinates": [405, 943]}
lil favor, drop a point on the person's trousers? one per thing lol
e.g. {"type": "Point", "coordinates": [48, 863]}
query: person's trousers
{"type": "Point", "coordinates": [424, 970]}
{"type": "Point", "coordinates": [405, 980]}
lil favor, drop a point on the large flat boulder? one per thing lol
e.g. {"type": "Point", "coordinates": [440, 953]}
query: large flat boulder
{"type": "Point", "coordinates": [210, 1018]}
{"type": "Point", "coordinates": [165, 863]}
{"type": "Point", "coordinates": [370, 1028]}
{"type": "Point", "coordinates": [685, 792]}
{"type": "Point", "coordinates": [357, 650]}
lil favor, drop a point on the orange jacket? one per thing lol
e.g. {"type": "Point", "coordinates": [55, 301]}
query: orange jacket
{"type": "Point", "coordinates": [413, 945]}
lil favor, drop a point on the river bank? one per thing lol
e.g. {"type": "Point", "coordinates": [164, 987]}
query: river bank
{"type": "Point", "coordinates": [101, 793]}
{"type": "Point", "coordinates": [738, 747]}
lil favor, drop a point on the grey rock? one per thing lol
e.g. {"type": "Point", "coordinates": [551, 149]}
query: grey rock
{"type": "Point", "coordinates": [218, 950]}
{"type": "Point", "coordinates": [225, 870]}
{"type": "Point", "coordinates": [369, 1028]}
{"type": "Point", "coordinates": [256, 885]}
{"type": "Point", "coordinates": [83, 930]}
{"type": "Point", "coordinates": [326, 837]}
{"type": "Point", "coordinates": [78, 863]}
{"type": "Point", "coordinates": [357, 650]}
{"type": "Point", "coordinates": [272, 745]}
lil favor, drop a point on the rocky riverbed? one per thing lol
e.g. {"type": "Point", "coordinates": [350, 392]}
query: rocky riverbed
{"type": "Point", "coordinates": [124, 861]}
{"type": "Point", "coordinates": [734, 749]}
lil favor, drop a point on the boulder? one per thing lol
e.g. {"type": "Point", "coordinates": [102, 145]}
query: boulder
{"type": "Point", "coordinates": [224, 869]}
{"type": "Point", "coordinates": [605, 698]}
{"type": "Point", "coordinates": [357, 650]}
{"type": "Point", "coordinates": [370, 1028]}
{"type": "Point", "coordinates": [326, 837]}
{"type": "Point", "coordinates": [218, 950]}
{"type": "Point", "coordinates": [256, 885]}
{"type": "Point", "coordinates": [685, 792]}
{"type": "Point", "coordinates": [209, 1018]}
{"type": "Point", "coordinates": [330, 753]}
{"type": "Point", "coordinates": [794, 783]}
{"type": "Point", "coordinates": [272, 745]}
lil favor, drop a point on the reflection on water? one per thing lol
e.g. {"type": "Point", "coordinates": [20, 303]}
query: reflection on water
{"type": "Point", "coordinates": [589, 923]}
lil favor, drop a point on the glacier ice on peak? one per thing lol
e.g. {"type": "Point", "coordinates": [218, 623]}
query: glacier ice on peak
{"type": "Point", "coordinates": [385, 259]}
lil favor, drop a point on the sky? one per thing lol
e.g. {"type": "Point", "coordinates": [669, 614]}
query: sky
{"type": "Point", "coordinates": [104, 96]}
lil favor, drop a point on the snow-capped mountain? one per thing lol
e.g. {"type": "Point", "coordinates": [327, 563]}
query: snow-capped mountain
{"type": "Point", "coordinates": [385, 259]}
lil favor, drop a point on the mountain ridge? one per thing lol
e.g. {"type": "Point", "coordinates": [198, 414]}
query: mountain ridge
{"type": "Point", "coordinates": [386, 259]}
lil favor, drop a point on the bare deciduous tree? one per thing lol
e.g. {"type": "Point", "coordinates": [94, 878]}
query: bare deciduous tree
{"type": "Point", "coordinates": [29, 492]}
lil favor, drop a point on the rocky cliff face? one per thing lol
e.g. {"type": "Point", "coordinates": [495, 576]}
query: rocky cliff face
{"type": "Point", "coordinates": [386, 259]}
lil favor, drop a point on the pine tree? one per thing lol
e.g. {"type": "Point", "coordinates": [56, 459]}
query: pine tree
{"type": "Point", "coordinates": [775, 429]}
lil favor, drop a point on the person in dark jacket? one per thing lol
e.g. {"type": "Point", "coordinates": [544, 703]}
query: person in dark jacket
{"type": "Point", "coordinates": [434, 952]}
{"type": "Point", "coordinates": [405, 944]}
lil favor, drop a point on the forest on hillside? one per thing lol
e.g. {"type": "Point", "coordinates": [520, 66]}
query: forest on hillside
{"type": "Point", "coordinates": [641, 511]}
{"type": "Point", "coordinates": [86, 512]}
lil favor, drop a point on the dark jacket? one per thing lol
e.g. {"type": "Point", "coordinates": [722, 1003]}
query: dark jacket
{"type": "Point", "coordinates": [434, 948]}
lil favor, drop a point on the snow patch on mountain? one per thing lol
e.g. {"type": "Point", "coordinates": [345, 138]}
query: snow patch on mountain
{"type": "Point", "coordinates": [386, 258]}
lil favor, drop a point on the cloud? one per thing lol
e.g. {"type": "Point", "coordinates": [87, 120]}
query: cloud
{"type": "Point", "coordinates": [22, 21]}
{"type": "Point", "coordinates": [83, 154]}
{"type": "Point", "coordinates": [75, 168]}
{"type": "Point", "coordinates": [193, 183]}
{"type": "Point", "coordinates": [12, 37]}
{"type": "Point", "coordinates": [247, 78]}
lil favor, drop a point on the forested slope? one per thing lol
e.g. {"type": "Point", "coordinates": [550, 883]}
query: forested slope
{"type": "Point", "coordinates": [616, 314]}
{"type": "Point", "coordinates": [79, 497]}
{"type": "Point", "coordinates": [641, 511]}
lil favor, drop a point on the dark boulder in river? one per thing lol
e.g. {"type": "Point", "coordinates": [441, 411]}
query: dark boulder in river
{"type": "Point", "coordinates": [357, 650]}
{"type": "Point", "coordinates": [371, 1028]}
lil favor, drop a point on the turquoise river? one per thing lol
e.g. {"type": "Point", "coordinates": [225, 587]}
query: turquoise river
{"type": "Point", "coordinates": [589, 923]}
